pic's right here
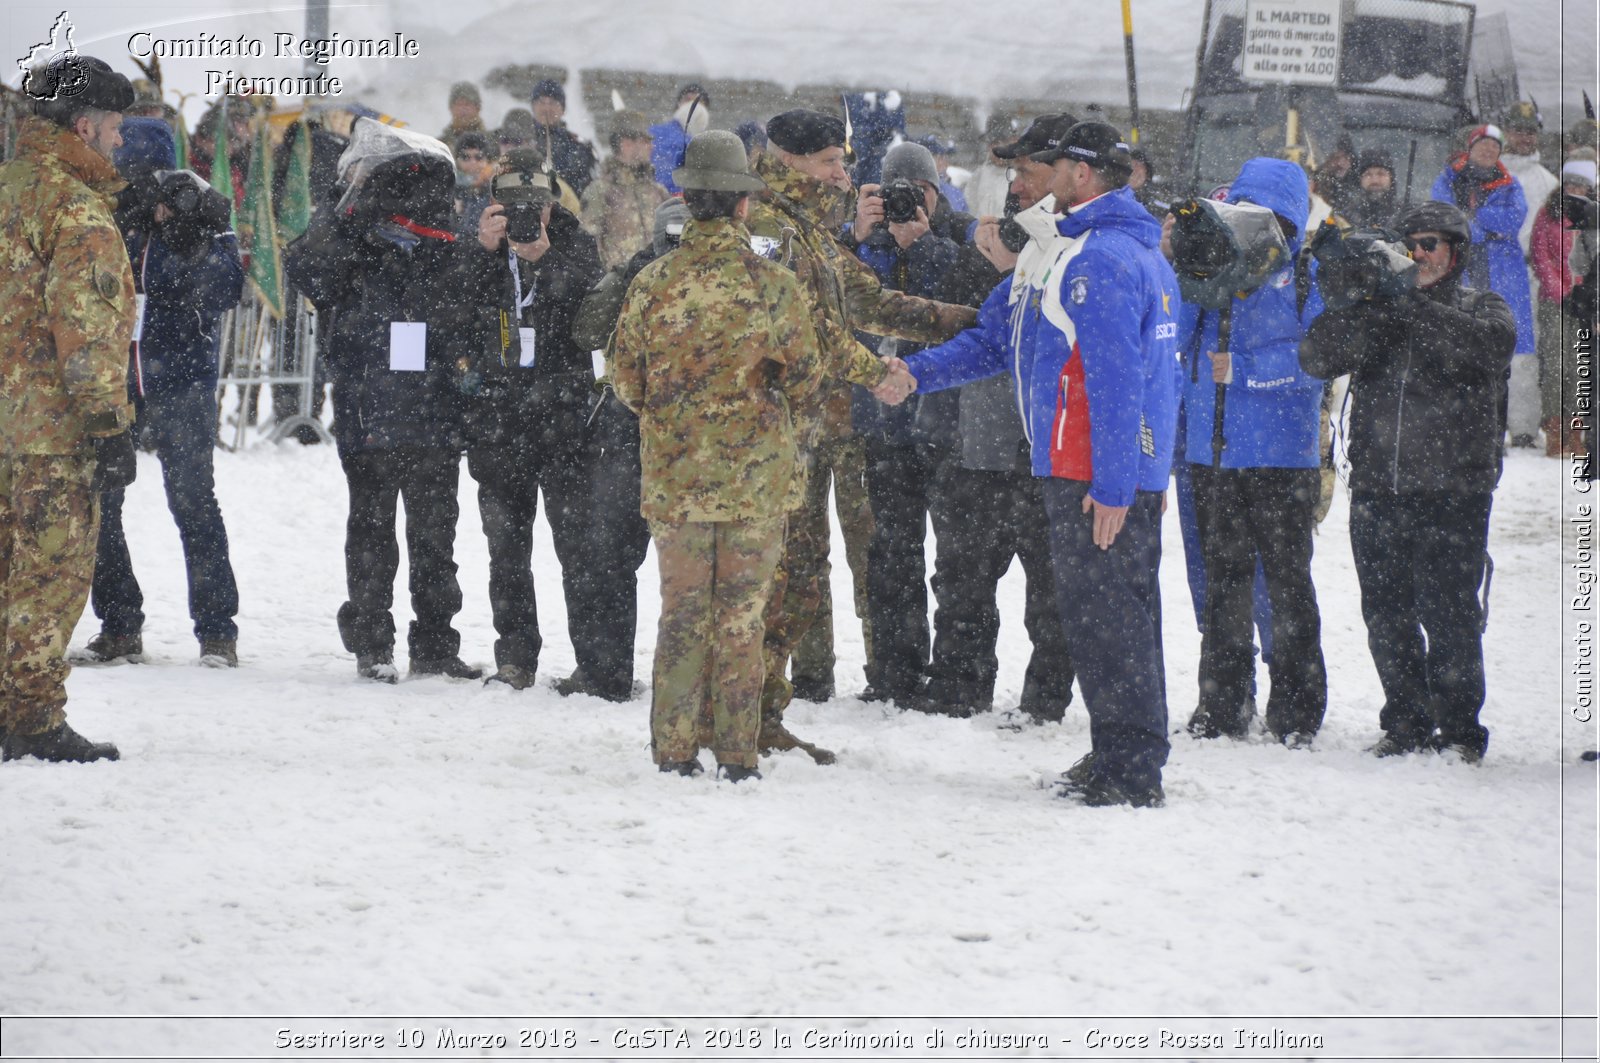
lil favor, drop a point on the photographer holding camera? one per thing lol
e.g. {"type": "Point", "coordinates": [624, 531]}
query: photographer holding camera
{"type": "Point", "coordinates": [1252, 500]}
{"type": "Point", "coordinates": [531, 395]}
{"type": "Point", "coordinates": [1428, 376]}
{"type": "Point", "coordinates": [381, 260]}
{"type": "Point", "coordinates": [910, 238]}
{"type": "Point", "coordinates": [187, 274]}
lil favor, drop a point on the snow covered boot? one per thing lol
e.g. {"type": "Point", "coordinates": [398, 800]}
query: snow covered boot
{"type": "Point", "coordinates": [737, 773]}
{"type": "Point", "coordinates": [106, 647]}
{"type": "Point", "coordinates": [62, 744]}
{"type": "Point", "coordinates": [219, 653]}
{"type": "Point", "coordinates": [378, 667]}
{"type": "Point", "coordinates": [514, 676]}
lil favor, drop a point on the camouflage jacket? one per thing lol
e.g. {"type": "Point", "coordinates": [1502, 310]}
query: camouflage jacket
{"type": "Point", "coordinates": [66, 296]}
{"type": "Point", "coordinates": [713, 351]}
{"type": "Point", "coordinates": [619, 210]}
{"type": "Point", "coordinates": [795, 219]}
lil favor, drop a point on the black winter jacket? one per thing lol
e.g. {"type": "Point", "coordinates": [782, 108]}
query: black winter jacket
{"type": "Point", "coordinates": [1428, 386]}
{"type": "Point", "coordinates": [370, 275]}
{"type": "Point", "coordinates": [548, 403]}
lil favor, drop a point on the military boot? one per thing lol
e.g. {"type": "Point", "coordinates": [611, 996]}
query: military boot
{"type": "Point", "coordinates": [378, 667]}
{"type": "Point", "coordinates": [514, 676]}
{"type": "Point", "coordinates": [62, 744]}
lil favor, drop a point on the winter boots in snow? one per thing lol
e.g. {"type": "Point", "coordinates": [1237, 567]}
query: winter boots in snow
{"type": "Point", "coordinates": [219, 653]}
{"type": "Point", "coordinates": [61, 744]}
{"type": "Point", "coordinates": [449, 667]}
{"type": "Point", "coordinates": [104, 648]}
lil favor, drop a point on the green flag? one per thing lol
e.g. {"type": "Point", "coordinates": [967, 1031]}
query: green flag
{"type": "Point", "coordinates": [221, 173]}
{"type": "Point", "coordinates": [294, 209]}
{"type": "Point", "coordinates": [258, 235]}
{"type": "Point", "coordinates": [183, 142]}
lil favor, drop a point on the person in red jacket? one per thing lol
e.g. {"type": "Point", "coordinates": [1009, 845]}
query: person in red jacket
{"type": "Point", "coordinates": [1558, 363]}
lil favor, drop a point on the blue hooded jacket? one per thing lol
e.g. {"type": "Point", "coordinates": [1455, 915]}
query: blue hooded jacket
{"type": "Point", "coordinates": [184, 299]}
{"type": "Point", "coordinates": [1272, 405]}
{"type": "Point", "coordinates": [1087, 327]}
{"type": "Point", "coordinates": [668, 140]}
{"type": "Point", "coordinates": [1494, 261]}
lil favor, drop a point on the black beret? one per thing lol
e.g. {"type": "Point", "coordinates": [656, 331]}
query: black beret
{"type": "Point", "coordinates": [802, 132]}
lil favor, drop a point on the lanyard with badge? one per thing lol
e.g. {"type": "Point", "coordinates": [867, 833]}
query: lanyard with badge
{"type": "Point", "coordinates": [525, 333]}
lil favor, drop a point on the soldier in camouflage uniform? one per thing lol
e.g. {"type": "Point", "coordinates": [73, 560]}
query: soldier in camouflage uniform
{"type": "Point", "coordinates": [806, 201]}
{"type": "Point", "coordinates": [66, 319]}
{"type": "Point", "coordinates": [714, 352]}
{"type": "Point", "coordinates": [619, 208]}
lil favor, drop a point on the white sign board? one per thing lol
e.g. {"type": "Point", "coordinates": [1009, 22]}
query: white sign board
{"type": "Point", "coordinates": [1292, 41]}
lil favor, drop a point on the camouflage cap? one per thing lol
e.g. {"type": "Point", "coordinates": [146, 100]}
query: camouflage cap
{"type": "Point", "coordinates": [716, 161]}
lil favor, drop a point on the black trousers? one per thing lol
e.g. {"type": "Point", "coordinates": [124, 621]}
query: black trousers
{"type": "Point", "coordinates": [427, 480]}
{"type": "Point", "coordinates": [981, 520]}
{"type": "Point", "coordinates": [591, 494]}
{"type": "Point", "coordinates": [1266, 514]}
{"type": "Point", "coordinates": [1420, 561]}
{"type": "Point", "coordinates": [900, 487]}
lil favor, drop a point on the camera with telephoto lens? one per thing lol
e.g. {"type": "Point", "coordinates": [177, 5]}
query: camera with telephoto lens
{"type": "Point", "coordinates": [1356, 265]}
{"type": "Point", "coordinates": [1012, 234]}
{"type": "Point", "coordinates": [1581, 211]}
{"type": "Point", "coordinates": [1223, 250]}
{"type": "Point", "coordinates": [901, 200]}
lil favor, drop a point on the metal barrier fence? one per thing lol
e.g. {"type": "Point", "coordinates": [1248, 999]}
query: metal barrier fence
{"type": "Point", "coordinates": [259, 350]}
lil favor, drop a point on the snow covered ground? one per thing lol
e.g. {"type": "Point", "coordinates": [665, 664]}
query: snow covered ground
{"type": "Point", "coordinates": [286, 840]}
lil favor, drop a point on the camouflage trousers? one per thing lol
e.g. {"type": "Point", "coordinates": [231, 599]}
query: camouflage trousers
{"type": "Point", "coordinates": [49, 521]}
{"type": "Point", "coordinates": [716, 579]}
{"type": "Point", "coordinates": [844, 461]}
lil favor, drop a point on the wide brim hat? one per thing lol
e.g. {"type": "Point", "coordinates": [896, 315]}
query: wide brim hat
{"type": "Point", "coordinates": [716, 161]}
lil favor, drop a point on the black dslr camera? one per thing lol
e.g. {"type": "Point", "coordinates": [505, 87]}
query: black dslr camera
{"type": "Point", "coordinates": [901, 200]}
{"type": "Point", "coordinates": [524, 196]}
{"type": "Point", "coordinates": [197, 212]}
{"type": "Point", "coordinates": [1012, 234]}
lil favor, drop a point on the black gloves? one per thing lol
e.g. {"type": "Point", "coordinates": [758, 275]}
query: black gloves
{"type": "Point", "coordinates": [115, 464]}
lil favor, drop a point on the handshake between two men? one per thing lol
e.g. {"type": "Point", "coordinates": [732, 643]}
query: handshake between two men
{"type": "Point", "coordinates": [898, 385]}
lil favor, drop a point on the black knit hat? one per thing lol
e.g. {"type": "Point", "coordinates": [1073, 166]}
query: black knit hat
{"type": "Point", "coordinates": [549, 87]}
{"type": "Point", "coordinates": [802, 132]}
{"type": "Point", "coordinates": [1041, 139]}
{"type": "Point", "coordinates": [1373, 158]}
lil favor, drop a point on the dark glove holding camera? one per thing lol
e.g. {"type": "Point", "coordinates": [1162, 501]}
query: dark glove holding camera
{"type": "Point", "coordinates": [195, 213]}
{"type": "Point", "coordinates": [136, 204]}
{"type": "Point", "coordinates": [115, 462]}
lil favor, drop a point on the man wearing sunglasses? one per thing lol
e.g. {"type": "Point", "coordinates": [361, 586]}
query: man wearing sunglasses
{"type": "Point", "coordinates": [1428, 378]}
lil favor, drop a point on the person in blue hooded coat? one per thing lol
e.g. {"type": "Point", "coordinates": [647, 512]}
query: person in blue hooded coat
{"type": "Point", "coordinates": [1493, 200]}
{"type": "Point", "coordinates": [187, 274]}
{"type": "Point", "coordinates": [1087, 328]}
{"type": "Point", "coordinates": [1256, 504]}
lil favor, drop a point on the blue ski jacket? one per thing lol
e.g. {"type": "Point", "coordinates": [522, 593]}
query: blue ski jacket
{"type": "Point", "coordinates": [1496, 208]}
{"type": "Point", "coordinates": [1272, 407]}
{"type": "Point", "coordinates": [1087, 326]}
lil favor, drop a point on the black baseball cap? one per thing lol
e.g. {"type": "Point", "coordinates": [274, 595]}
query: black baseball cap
{"type": "Point", "coordinates": [1040, 139]}
{"type": "Point", "coordinates": [1097, 143]}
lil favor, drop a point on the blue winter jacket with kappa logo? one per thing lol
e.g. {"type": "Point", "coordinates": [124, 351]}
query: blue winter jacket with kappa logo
{"type": "Point", "coordinates": [1087, 326]}
{"type": "Point", "coordinates": [1272, 407]}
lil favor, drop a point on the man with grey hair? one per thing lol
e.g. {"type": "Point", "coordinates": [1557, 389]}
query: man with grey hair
{"type": "Point", "coordinates": [66, 318]}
